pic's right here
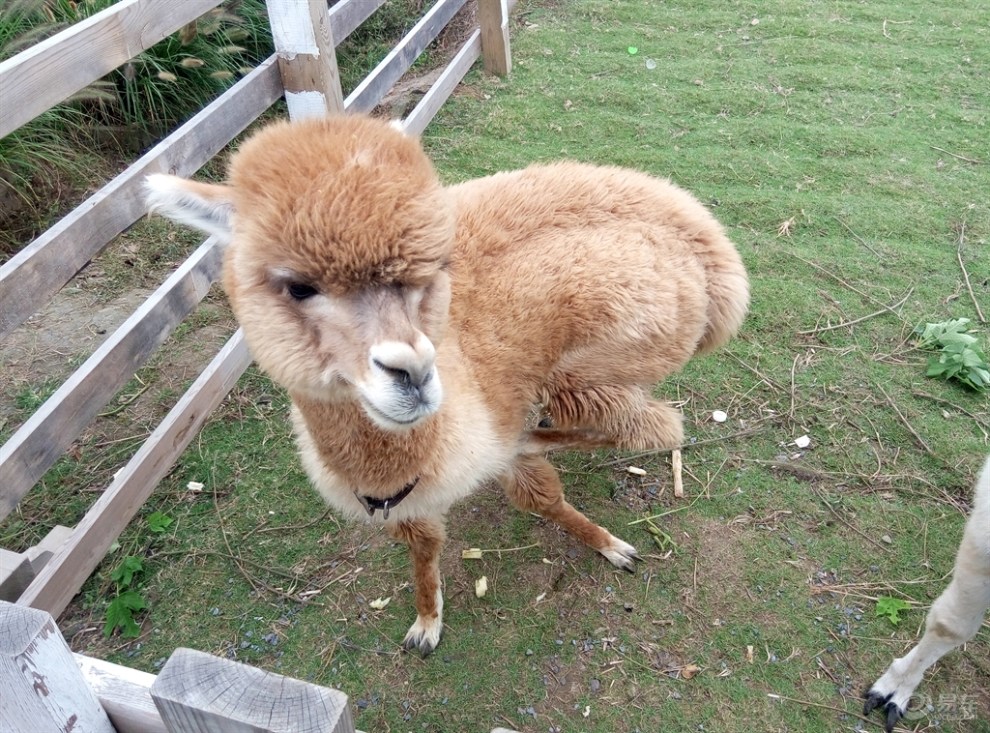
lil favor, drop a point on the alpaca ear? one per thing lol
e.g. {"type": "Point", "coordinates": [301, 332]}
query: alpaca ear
{"type": "Point", "coordinates": [204, 206]}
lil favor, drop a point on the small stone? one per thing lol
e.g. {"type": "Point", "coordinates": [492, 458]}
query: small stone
{"type": "Point", "coordinates": [529, 652]}
{"type": "Point", "coordinates": [886, 539]}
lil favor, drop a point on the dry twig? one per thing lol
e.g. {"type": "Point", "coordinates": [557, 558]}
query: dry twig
{"type": "Point", "coordinates": [962, 266]}
{"type": "Point", "coordinates": [857, 237]}
{"type": "Point", "coordinates": [854, 289]}
{"type": "Point", "coordinates": [882, 311]}
{"type": "Point", "coordinates": [907, 424]}
{"type": "Point", "coordinates": [877, 723]}
{"type": "Point", "coordinates": [954, 155]}
{"type": "Point", "coordinates": [981, 424]}
{"type": "Point", "coordinates": [675, 462]}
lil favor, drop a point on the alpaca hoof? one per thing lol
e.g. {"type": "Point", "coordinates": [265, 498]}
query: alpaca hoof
{"type": "Point", "coordinates": [621, 554]}
{"type": "Point", "coordinates": [891, 710]}
{"type": "Point", "coordinates": [423, 636]}
{"type": "Point", "coordinates": [873, 699]}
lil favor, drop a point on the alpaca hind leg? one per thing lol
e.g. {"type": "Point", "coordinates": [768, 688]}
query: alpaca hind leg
{"type": "Point", "coordinates": [425, 538]}
{"type": "Point", "coordinates": [624, 417]}
{"type": "Point", "coordinates": [954, 618]}
{"type": "Point", "coordinates": [533, 485]}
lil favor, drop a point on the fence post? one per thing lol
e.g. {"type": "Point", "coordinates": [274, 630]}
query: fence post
{"type": "Point", "coordinates": [493, 17]}
{"type": "Point", "coordinates": [200, 693]}
{"type": "Point", "coordinates": [306, 57]}
{"type": "Point", "coordinates": [41, 688]}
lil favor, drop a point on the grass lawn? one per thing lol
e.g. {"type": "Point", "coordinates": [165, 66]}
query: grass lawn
{"type": "Point", "coordinates": [844, 145]}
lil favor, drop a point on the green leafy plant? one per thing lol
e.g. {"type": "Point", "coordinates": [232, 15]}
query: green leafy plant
{"type": "Point", "coordinates": [120, 614]}
{"type": "Point", "coordinates": [958, 356]}
{"type": "Point", "coordinates": [891, 608]}
{"type": "Point", "coordinates": [159, 522]}
{"type": "Point", "coordinates": [127, 601]}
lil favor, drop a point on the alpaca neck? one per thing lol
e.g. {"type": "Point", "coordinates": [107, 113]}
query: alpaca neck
{"type": "Point", "coordinates": [379, 462]}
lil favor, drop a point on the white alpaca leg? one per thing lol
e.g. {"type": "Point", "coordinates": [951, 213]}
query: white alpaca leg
{"type": "Point", "coordinates": [954, 618]}
{"type": "Point", "coordinates": [620, 553]}
{"type": "Point", "coordinates": [424, 634]}
{"type": "Point", "coordinates": [425, 538]}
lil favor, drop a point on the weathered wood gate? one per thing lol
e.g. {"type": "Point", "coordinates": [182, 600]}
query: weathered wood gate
{"type": "Point", "coordinates": [304, 71]}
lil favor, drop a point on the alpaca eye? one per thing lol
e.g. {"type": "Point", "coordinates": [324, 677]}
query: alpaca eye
{"type": "Point", "coordinates": [300, 291]}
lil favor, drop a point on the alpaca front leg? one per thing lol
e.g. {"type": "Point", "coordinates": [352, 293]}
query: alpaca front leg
{"type": "Point", "coordinates": [425, 538]}
{"type": "Point", "coordinates": [954, 618]}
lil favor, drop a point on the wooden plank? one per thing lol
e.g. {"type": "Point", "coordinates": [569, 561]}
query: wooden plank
{"type": "Point", "coordinates": [444, 86]}
{"type": "Point", "coordinates": [200, 693]}
{"type": "Point", "coordinates": [41, 553]}
{"type": "Point", "coordinates": [124, 693]}
{"type": "Point", "coordinates": [40, 441]}
{"type": "Point", "coordinates": [41, 689]}
{"type": "Point", "coordinates": [304, 45]}
{"type": "Point", "coordinates": [53, 70]}
{"type": "Point", "coordinates": [374, 86]}
{"type": "Point", "coordinates": [493, 16]}
{"type": "Point", "coordinates": [347, 15]}
{"type": "Point", "coordinates": [16, 574]}
{"type": "Point", "coordinates": [65, 573]}
{"type": "Point", "coordinates": [32, 276]}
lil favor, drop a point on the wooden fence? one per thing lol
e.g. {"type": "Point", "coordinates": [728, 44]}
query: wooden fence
{"type": "Point", "coordinates": [39, 689]}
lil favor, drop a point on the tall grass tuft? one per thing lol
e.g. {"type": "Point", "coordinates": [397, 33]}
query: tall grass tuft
{"type": "Point", "coordinates": [128, 109]}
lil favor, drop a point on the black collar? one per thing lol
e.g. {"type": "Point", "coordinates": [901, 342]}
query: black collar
{"type": "Point", "coordinates": [371, 503]}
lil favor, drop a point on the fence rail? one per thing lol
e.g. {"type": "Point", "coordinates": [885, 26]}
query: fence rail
{"type": "Point", "coordinates": [52, 71]}
{"type": "Point", "coordinates": [44, 686]}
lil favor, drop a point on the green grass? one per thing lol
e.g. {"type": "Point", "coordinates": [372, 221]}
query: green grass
{"type": "Point", "coordinates": [826, 116]}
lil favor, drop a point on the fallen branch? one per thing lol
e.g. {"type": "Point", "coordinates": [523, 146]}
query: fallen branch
{"type": "Point", "coordinates": [685, 446]}
{"type": "Point", "coordinates": [853, 322]}
{"type": "Point", "coordinates": [954, 155]}
{"type": "Point", "coordinates": [918, 438]}
{"type": "Point", "coordinates": [981, 424]}
{"type": "Point", "coordinates": [854, 289]}
{"type": "Point", "coordinates": [823, 706]}
{"type": "Point", "coordinates": [856, 236]}
{"type": "Point", "coordinates": [962, 266]}
{"type": "Point", "coordinates": [666, 513]}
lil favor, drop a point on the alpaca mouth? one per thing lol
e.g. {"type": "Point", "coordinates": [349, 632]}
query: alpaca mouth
{"type": "Point", "coordinates": [404, 420]}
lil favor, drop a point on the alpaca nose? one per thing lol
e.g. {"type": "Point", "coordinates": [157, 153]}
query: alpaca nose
{"type": "Point", "coordinates": [408, 365]}
{"type": "Point", "coordinates": [404, 377]}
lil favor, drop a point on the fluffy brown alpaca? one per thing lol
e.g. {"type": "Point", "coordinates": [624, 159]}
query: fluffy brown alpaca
{"type": "Point", "coordinates": [415, 326]}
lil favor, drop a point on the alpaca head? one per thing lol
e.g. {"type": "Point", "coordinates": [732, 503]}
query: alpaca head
{"type": "Point", "coordinates": [338, 236]}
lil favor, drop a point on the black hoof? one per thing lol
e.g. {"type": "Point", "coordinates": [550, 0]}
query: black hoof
{"type": "Point", "coordinates": [873, 700]}
{"type": "Point", "coordinates": [892, 713]}
{"type": "Point", "coordinates": [419, 643]}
